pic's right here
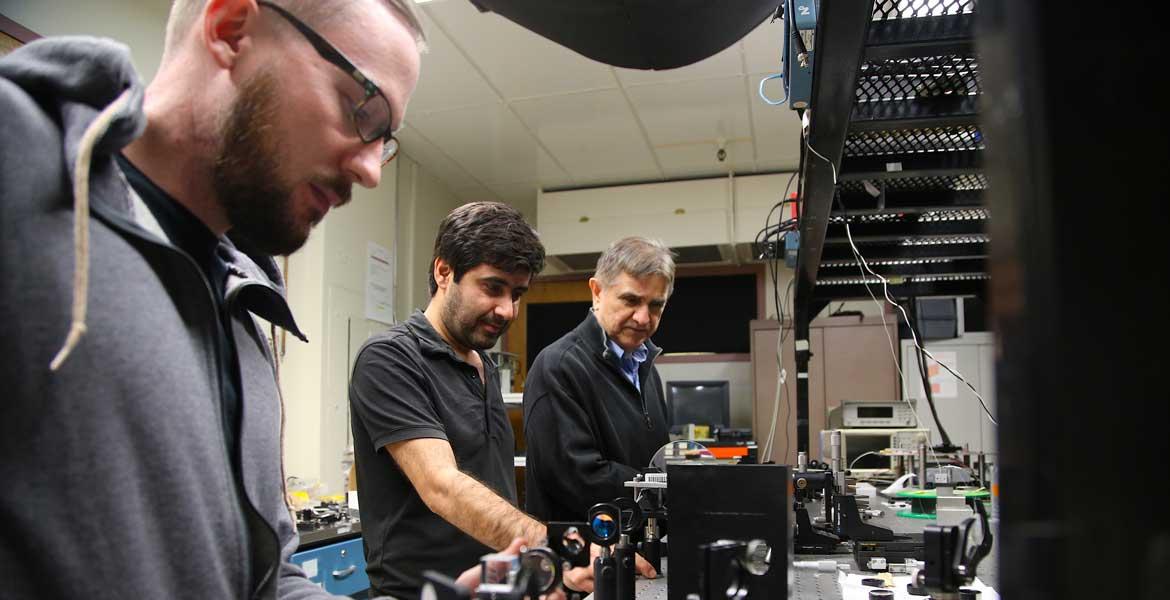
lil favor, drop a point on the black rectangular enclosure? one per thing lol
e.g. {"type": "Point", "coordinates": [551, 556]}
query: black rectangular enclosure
{"type": "Point", "coordinates": [708, 503]}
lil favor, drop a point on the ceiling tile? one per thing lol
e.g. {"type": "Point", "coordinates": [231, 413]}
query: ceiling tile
{"type": "Point", "coordinates": [692, 111]}
{"type": "Point", "coordinates": [447, 80]}
{"type": "Point", "coordinates": [777, 135]}
{"type": "Point", "coordinates": [491, 144]}
{"type": "Point", "coordinates": [727, 62]}
{"type": "Point", "coordinates": [762, 48]}
{"type": "Point", "coordinates": [517, 62]}
{"type": "Point", "coordinates": [430, 158]}
{"type": "Point", "coordinates": [594, 134]}
{"type": "Point", "coordinates": [692, 160]}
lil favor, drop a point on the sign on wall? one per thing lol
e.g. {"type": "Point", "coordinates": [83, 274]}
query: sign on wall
{"type": "Point", "coordinates": [379, 283]}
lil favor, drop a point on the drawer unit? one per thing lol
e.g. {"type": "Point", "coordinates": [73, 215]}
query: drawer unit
{"type": "Point", "coordinates": [339, 568]}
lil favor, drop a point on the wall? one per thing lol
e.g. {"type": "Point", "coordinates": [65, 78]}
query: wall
{"type": "Point", "coordinates": [140, 24]}
{"type": "Point", "coordinates": [738, 374]}
{"type": "Point", "coordinates": [423, 202]}
{"type": "Point", "coordinates": [327, 287]}
{"type": "Point", "coordinates": [326, 282]}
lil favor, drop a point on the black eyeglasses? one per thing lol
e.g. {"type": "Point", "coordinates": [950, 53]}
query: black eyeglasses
{"type": "Point", "coordinates": [371, 116]}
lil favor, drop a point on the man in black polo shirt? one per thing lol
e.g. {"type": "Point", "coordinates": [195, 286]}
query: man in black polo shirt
{"type": "Point", "coordinates": [432, 440]}
{"type": "Point", "coordinates": [593, 409]}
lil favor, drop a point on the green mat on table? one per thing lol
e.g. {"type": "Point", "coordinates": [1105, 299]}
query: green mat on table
{"type": "Point", "coordinates": [922, 502]}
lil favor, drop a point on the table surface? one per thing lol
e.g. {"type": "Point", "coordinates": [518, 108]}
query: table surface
{"type": "Point", "coordinates": [814, 585]}
{"type": "Point", "coordinates": [330, 534]}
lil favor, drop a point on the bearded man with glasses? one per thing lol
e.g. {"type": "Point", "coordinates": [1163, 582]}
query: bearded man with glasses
{"type": "Point", "coordinates": [140, 438]}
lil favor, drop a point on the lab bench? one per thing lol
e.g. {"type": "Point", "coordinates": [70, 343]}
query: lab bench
{"type": "Point", "coordinates": [813, 585]}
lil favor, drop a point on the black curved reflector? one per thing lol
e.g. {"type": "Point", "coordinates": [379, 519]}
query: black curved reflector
{"type": "Point", "coordinates": [638, 34]}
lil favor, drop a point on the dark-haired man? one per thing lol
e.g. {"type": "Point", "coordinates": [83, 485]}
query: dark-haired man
{"type": "Point", "coordinates": [432, 440]}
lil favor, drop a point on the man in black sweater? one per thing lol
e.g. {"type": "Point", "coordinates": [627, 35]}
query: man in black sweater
{"type": "Point", "coordinates": [594, 413]}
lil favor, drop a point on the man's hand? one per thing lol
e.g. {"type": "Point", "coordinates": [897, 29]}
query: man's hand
{"type": "Point", "coordinates": [643, 568]}
{"type": "Point", "coordinates": [470, 578]}
{"type": "Point", "coordinates": [581, 578]}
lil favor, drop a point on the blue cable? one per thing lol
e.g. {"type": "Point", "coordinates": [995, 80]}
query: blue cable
{"type": "Point", "coordinates": [783, 62]}
{"type": "Point", "coordinates": [765, 97]}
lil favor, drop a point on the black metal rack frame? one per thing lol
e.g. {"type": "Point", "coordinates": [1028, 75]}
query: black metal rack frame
{"type": "Point", "coordinates": [895, 99]}
{"type": "Point", "coordinates": [1077, 137]}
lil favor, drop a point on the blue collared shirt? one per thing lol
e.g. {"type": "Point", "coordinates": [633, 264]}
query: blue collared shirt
{"type": "Point", "coordinates": [631, 361]}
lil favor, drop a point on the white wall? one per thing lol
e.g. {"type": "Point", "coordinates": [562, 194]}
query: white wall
{"type": "Point", "coordinates": [326, 281]}
{"type": "Point", "coordinates": [423, 202]}
{"type": "Point", "coordinates": [140, 24]}
{"type": "Point", "coordinates": [737, 374]}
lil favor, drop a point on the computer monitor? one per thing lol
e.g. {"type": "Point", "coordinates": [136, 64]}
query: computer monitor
{"type": "Point", "coordinates": [699, 402]}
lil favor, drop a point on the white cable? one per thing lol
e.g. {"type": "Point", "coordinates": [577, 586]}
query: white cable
{"type": "Point", "coordinates": [833, 166]}
{"type": "Point", "coordinates": [886, 293]}
{"type": "Point", "coordinates": [860, 456]}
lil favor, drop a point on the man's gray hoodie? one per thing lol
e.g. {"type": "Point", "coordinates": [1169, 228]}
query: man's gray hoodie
{"type": "Point", "coordinates": [115, 479]}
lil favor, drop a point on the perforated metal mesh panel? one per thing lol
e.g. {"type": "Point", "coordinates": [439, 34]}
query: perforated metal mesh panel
{"type": "Point", "coordinates": [914, 141]}
{"type": "Point", "coordinates": [884, 10]}
{"type": "Point", "coordinates": [973, 181]}
{"type": "Point", "coordinates": [887, 263]}
{"type": "Point", "coordinates": [922, 78]}
{"type": "Point", "coordinates": [945, 239]}
{"type": "Point", "coordinates": [891, 217]}
{"type": "Point", "coordinates": [966, 214]}
{"type": "Point", "coordinates": [934, 216]}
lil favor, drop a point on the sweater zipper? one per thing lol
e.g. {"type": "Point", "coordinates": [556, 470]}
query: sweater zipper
{"type": "Point", "coordinates": [229, 301]}
{"type": "Point", "coordinates": [241, 522]}
{"type": "Point", "coordinates": [645, 413]}
{"type": "Point", "coordinates": [130, 228]}
{"type": "Point", "coordinates": [642, 394]}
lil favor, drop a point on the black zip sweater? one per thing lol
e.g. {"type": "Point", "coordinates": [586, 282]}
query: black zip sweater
{"type": "Point", "coordinates": [588, 429]}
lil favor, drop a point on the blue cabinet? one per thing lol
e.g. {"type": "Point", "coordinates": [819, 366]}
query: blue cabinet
{"type": "Point", "coordinates": [340, 568]}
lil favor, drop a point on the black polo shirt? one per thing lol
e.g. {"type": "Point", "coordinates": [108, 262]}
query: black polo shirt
{"type": "Point", "coordinates": [407, 384]}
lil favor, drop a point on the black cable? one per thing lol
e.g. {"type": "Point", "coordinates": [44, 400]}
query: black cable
{"type": "Point", "coordinates": [946, 445]}
{"type": "Point", "coordinates": [778, 230]}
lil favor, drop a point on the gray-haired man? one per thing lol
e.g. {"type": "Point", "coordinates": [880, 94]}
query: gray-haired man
{"type": "Point", "coordinates": [593, 408]}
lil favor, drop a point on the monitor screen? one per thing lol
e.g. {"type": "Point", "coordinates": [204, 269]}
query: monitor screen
{"type": "Point", "coordinates": [875, 412]}
{"type": "Point", "coordinates": [699, 402]}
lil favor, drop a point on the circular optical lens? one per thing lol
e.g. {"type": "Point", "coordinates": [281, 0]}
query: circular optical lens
{"type": "Point", "coordinates": [571, 541]}
{"type": "Point", "coordinates": [543, 567]}
{"type": "Point", "coordinates": [604, 526]}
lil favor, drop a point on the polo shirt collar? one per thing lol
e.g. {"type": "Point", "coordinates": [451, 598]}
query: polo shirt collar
{"type": "Point", "coordinates": [433, 344]}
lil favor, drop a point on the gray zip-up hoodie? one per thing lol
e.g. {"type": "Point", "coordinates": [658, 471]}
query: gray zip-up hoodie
{"type": "Point", "coordinates": [115, 479]}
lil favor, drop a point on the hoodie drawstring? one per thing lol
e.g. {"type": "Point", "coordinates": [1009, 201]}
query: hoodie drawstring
{"type": "Point", "coordinates": [92, 134]}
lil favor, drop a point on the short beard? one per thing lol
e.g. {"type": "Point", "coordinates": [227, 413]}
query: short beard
{"type": "Point", "coordinates": [246, 173]}
{"type": "Point", "coordinates": [463, 328]}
